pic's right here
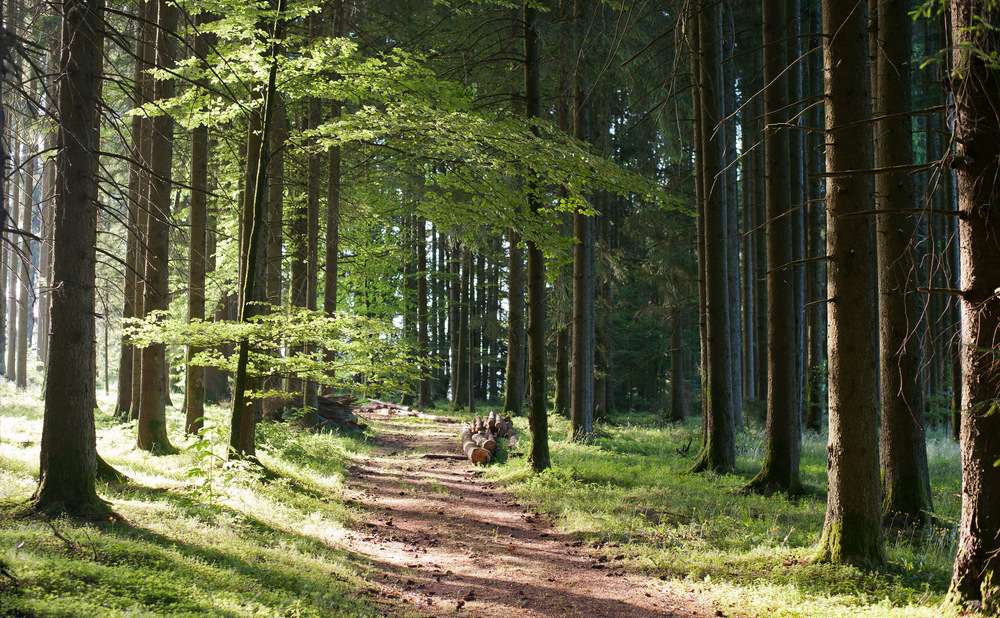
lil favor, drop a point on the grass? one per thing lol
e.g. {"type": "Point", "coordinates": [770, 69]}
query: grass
{"type": "Point", "coordinates": [625, 490]}
{"type": "Point", "coordinates": [196, 538]}
{"type": "Point", "coordinates": [193, 538]}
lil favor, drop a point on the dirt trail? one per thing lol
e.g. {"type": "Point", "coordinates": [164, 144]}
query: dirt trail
{"type": "Point", "coordinates": [445, 542]}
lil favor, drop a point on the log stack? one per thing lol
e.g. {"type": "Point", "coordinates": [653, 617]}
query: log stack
{"type": "Point", "coordinates": [399, 411]}
{"type": "Point", "coordinates": [483, 437]}
{"type": "Point", "coordinates": [335, 412]}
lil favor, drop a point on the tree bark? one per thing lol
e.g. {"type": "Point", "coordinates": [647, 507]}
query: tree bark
{"type": "Point", "coordinates": [975, 84]}
{"type": "Point", "coordinates": [538, 456]}
{"type": "Point", "coordinates": [243, 420]}
{"type": "Point", "coordinates": [814, 404]}
{"type": "Point", "coordinates": [68, 461]}
{"type": "Point", "coordinates": [780, 469]}
{"type": "Point", "coordinates": [423, 340]}
{"type": "Point", "coordinates": [24, 303]}
{"type": "Point", "coordinates": [310, 392]}
{"type": "Point", "coordinates": [906, 497]}
{"type": "Point", "coordinates": [514, 383]}
{"type": "Point", "coordinates": [142, 152]}
{"type": "Point", "coordinates": [678, 403]}
{"type": "Point", "coordinates": [729, 169]}
{"type": "Point", "coordinates": [797, 195]}
{"type": "Point", "coordinates": [852, 532]}
{"type": "Point", "coordinates": [454, 317]}
{"type": "Point", "coordinates": [719, 450]}
{"type": "Point", "coordinates": [5, 186]}
{"type": "Point", "coordinates": [275, 205]}
{"type": "Point", "coordinates": [333, 187]}
{"type": "Point", "coordinates": [582, 367]}
{"type": "Point", "coordinates": [10, 366]}
{"type": "Point", "coordinates": [45, 257]}
{"type": "Point", "coordinates": [194, 388]}
{"type": "Point", "coordinates": [152, 421]}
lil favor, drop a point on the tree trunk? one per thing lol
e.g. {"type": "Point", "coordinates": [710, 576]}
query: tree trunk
{"type": "Point", "coordinates": [797, 197]}
{"type": "Point", "coordinates": [760, 256]}
{"type": "Point", "coordinates": [975, 83]}
{"type": "Point", "coordinates": [333, 182]}
{"type": "Point", "coordinates": [514, 383]}
{"type": "Point", "coordinates": [852, 532]}
{"type": "Point", "coordinates": [124, 409]}
{"type": "Point", "coordinates": [582, 368]}
{"type": "Point", "coordinates": [45, 257]}
{"type": "Point", "coordinates": [310, 392]}
{"type": "Point", "coordinates": [23, 302]}
{"type": "Point", "coordinates": [560, 402]}
{"type": "Point", "coordinates": [243, 432]}
{"type": "Point", "coordinates": [142, 150]}
{"type": "Point", "coordinates": [905, 478]}
{"type": "Point", "coordinates": [470, 333]}
{"type": "Point", "coordinates": [5, 186]}
{"type": "Point", "coordinates": [816, 270]}
{"type": "Point", "coordinates": [719, 450]}
{"type": "Point", "coordinates": [275, 205]}
{"type": "Point", "coordinates": [462, 364]}
{"type": "Point", "coordinates": [780, 469]}
{"type": "Point", "coordinates": [423, 340]}
{"type": "Point", "coordinates": [729, 166]}
{"type": "Point", "coordinates": [152, 422]}
{"type": "Point", "coordinates": [68, 461]}
{"type": "Point", "coordinates": [748, 173]}
{"type": "Point", "coordinates": [538, 456]}
{"type": "Point", "coordinates": [678, 404]}
{"type": "Point", "coordinates": [194, 389]}
{"type": "Point", "coordinates": [10, 366]}
{"type": "Point", "coordinates": [454, 315]}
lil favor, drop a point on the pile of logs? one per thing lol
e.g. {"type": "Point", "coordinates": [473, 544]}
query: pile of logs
{"type": "Point", "coordinates": [383, 407]}
{"type": "Point", "coordinates": [482, 438]}
{"type": "Point", "coordinates": [336, 412]}
{"type": "Point", "coordinates": [398, 410]}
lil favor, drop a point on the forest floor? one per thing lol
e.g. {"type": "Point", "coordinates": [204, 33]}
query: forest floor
{"type": "Point", "coordinates": [444, 541]}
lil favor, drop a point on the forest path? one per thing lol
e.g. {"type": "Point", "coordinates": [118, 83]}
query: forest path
{"type": "Point", "coordinates": [443, 541]}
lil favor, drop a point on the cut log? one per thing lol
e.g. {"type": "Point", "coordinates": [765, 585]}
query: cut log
{"type": "Point", "coordinates": [490, 443]}
{"type": "Point", "coordinates": [486, 433]}
{"type": "Point", "coordinates": [390, 405]}
{"type": "Point", "coordinates": [473, 451]}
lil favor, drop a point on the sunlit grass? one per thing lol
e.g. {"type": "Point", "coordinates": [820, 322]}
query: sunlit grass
{"type": "Point", "coordinates": [192, 537]}
{"type": "Point", "coordinates": [199, 538]}
{"type": "Point", "coordinates": [626, 490]}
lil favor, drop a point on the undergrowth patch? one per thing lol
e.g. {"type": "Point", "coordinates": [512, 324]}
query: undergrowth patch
{"type": "Point", "coordinates": [626, 490]}
{"type": "Point", "coordinates": [192, 535]}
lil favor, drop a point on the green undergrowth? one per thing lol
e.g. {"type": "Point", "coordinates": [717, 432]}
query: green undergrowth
{"type": "Point", "coordinates": [627, 493]}
{"type": "Point", "coordinates": [191, 535]}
